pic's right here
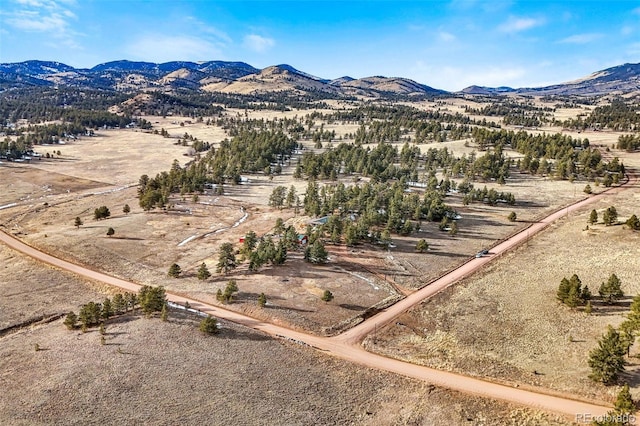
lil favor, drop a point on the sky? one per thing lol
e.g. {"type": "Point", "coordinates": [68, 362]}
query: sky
{"type": "Point", "coordinates": [444, 44]}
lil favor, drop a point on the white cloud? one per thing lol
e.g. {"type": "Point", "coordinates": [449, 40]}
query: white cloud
{"type": "Point", "coordinates": [164, 48]}
{"type": "Point", "coordinates": [258, 43]}
{"type": "Point", "coordinates": [627, 30]}
{"type": "Point", "coordinates": [581, 38]}
{"type": "Point", "coordinates": [515, 24]}
{"type": "Point", "coordinates": [446, 36]}
{"type": "Point", "coordinates": [636, 11]}
{"type": "Point", "coordinates": [51, 17]}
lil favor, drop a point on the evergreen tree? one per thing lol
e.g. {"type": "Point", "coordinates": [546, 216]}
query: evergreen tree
{"type": "Point", "coordinates": [624, 403]}
{"type": "Point", "coordinates": [633, 222]}
{"type": "Point", "coordinates": [152, 299]}
{"type": "Point", "coordinates": [226, 258]}
{"type": "Point", "coordinates": [110, 232]}
{"type": "Point", "coordinates": [78, 222]}
{"type": "Point", "coordinates": [90, 314]}
{"type": "Point", "coordinates": [422, 246]}
{"type": "Point", "coordinates": [316, 253]}
{"type": "Point", "coordinates": [607, 360]}
{"type": "Point", "coordinates": [327, 296]}
{"type": "Point", "coordinates": [174, 270]}
{"type": "Point", "coordinates": [203, 272]}
{"type": "Point", "coordinates": [209, 325]}
{"type": "Point", "coordinates": [512, 217]}
{"type": "Point", "coordinates": [101, 212]}
{"type": "Point", "coordinates": [593, 217]}
{"type": "Point", "coordinates": [281, 253]}
{"type": "Point", "coordinates": [262, 300]}
{"type": "Point", "coordinates": [610, 216]}
{"type": "Point", "coordinates": [611, 290]}
{"type": "Point", "coordinates": [119, 304]}
{"type": "Point", "coordinates": [249, 243]}
{"type": "Point", "coordinates": [107, 309]}
{"type": "Point", "coordinates": [71, 320]}
{"type": "Point", "coordinates": [587, 189]}
{"type": "Point", "coordinates": [563, 290]}
{"type": "Point", "coordinates": [126, 209]}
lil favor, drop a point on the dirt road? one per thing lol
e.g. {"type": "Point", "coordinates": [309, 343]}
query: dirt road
{"type": "Point", "coordinates": [347, 345]}
{"type": "Point", "coordinates": [356, 334]}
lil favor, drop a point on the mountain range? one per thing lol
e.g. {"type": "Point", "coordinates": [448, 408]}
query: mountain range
{"type": "Point", "coordinates": [242, 78]}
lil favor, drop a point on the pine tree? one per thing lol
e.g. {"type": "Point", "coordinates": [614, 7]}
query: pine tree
{"type": "Point", "coordinates": [624, 403]}
{"type": "Point", "coordinates": [422, 246]}
{"type": "Point", "coordinates": [209, 325]}
{"type": "Point", "coordinates": [152, 299]}
{"type": "Point", "coordinates": [633, 222]}
{"type": "Point", "coordinates": [203, 272]}
{"type": "Point", "coordinates": [249, 243]}
{"type": "Point", "coordinates": [607, 360]}
{"type": "Point", "coordinates": [593, 217]}
{"type": "Point", "coordinates": [71, 320]}
{"type": "Point", "coordinates": [611, 290]}
{"type": "Point", "coordinates": [126, 209]}
{"type": "Point", "coordinates": [110, 232]}
{"type": "Point", "coordinates": [327, 296]}
{"type": "Point", "coordinates": [281, 253]}
{"type": "Point", "coordinates": [316, 253]}
{"type": "Point", "coordinates": [226, 258]}
{"type": "Point", "coordinates": [119, 304]}
{"type": "Point", "coordinates": [174, 270]}
{"type": "Point", "coordinates": [512, 217]}
{"type": "Point", "coordinates": [262, 300]}
{"type": "Point", "coordinates": [610, 216]}
{"type": "Point", "coordinates": [563, 290]}
{"type": "Point", "coordinates": [78, 222]}
{"type": "Point", "coordinates": [107, 309]}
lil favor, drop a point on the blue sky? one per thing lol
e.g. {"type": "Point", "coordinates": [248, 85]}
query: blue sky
{"type": "Point", "coordinates": [445, 44]}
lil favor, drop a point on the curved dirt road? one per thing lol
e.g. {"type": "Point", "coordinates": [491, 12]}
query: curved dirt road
{"type": "Point", "coordinates": [347, 345]}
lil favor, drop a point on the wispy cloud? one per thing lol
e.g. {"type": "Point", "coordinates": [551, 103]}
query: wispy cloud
{"type": "Point", "coordinates": [163, 48]}
{"type": "Point", "coordinates": [52, 17]}
{"type": "Point", "coordinates": [258, 43]}
{"type": "Point", "coordinates": [203, 28]}
{"type": "Point", "coordinates": [581, 38]}
{"type": "Point", "coordinates": [446, 36]}
{"type": "Point", "coordinates": [515, 24]}
{"type": "Point", "coordinates": [627, 30]}
{"type": "Point", "coordinates": [636, 11]}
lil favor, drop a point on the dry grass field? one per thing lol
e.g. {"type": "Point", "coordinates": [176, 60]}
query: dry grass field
{"type": "Point", "coordinates": [237, 377]}
{"type": "Point", "coordinates": [505, 322]}
{"type": "Point", "coordinates": [87, 176]}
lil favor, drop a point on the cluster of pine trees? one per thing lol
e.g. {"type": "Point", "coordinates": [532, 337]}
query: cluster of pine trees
{"type": "Point", "coordinates": [620, 115]}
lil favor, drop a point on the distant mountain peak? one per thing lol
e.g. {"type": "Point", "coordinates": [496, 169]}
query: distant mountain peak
{"type": "Point", "coordinates": [240, 77]}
